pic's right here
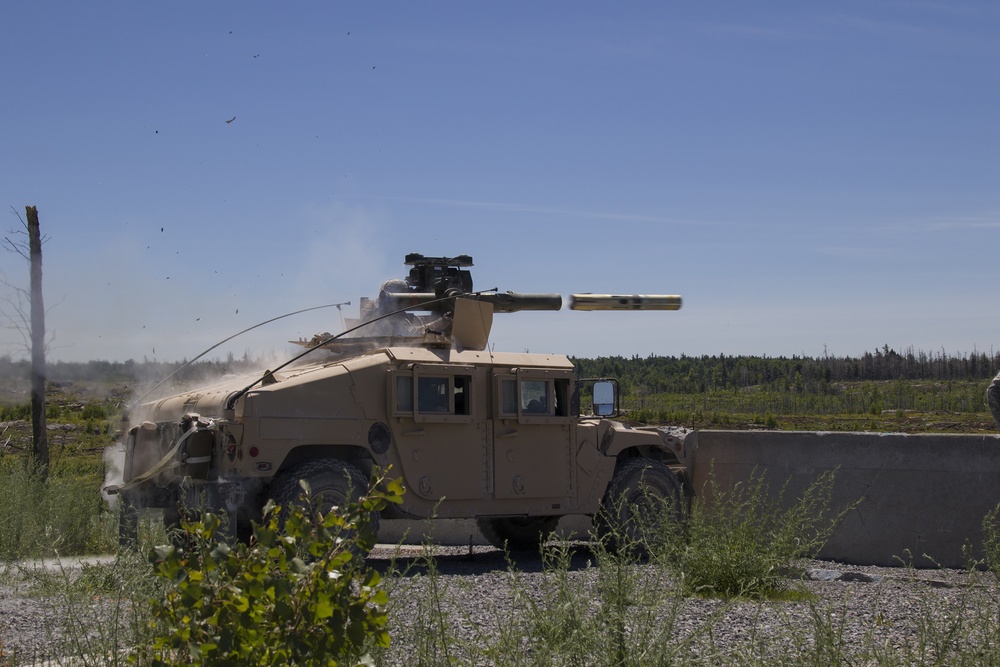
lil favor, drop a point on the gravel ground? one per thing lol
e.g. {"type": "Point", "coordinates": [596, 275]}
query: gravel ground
{"type": "Point", "coordinates": [867, 608]}
{"type": "Point", "coordinates": [876, 611]}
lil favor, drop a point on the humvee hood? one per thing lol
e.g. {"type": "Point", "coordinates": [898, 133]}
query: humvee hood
{"type": "Point", "coordinates": [211, 400]}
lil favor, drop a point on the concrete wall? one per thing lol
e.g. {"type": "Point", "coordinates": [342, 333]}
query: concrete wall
{"type": "Point", "coordinates": [925, 495]}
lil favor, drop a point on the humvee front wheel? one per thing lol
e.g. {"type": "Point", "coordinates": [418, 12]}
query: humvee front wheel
{"type": "Point", "coordinates": [641, 504]}
{"type": "Point", "coordinates": [332, 483]}
{"type": "Point", "coordinates": [517, 532]}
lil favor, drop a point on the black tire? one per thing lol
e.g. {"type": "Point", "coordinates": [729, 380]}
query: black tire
{"type": "Point", "coordinates": [517, 533]}
{"type": "Point", "coordinates": [332, 483]}
{"type": "Point", "coordinates": [643, 494]}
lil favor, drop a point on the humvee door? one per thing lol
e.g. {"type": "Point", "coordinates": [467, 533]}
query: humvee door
{"type": "Point", "coordinates": [533, 436]}
{"type": "Point", "coordinates": [441, 431]}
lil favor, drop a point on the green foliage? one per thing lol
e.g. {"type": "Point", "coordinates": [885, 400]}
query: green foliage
{"type": "Point", "coordinates": [657, 374]}
{"type": "Point", "coordinates": [742, 541]}
{"type": "Point", "coordinates": [297, 595]}
{"type": "Point", "coordinates": [803, 393]}
{"type": "Point", "coordinates": [65, 515]}
{"type": "Point", "coordinates": [991, 540]}
{"type": "Point", "coordinates": [94, 411]}
{"type": "Point", "coordinates": [9, 413]}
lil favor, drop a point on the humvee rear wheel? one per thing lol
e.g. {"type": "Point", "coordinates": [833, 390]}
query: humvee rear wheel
{"type": "Point", "coordinates": [332, 483]}
{"type": "Point", "coordinates": [641, 504]}
{"type": "Point", "coordinates": [517, 532]}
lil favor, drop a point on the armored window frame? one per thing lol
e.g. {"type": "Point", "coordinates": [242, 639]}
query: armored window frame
{"type": "Point", "coordinates": [433, 394]}
{"type": "Point", "coordinates": [516, 389]}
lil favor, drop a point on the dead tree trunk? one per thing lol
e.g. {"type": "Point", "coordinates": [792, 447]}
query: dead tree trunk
{"type": "Point", "coordinates": [39, 437]}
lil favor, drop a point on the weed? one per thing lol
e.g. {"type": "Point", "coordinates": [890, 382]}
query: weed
{"type": "Point", "coordinates": [742, 541]}
{"type": "Point", "coordinates": [64, 515]}
{"type": "Point", "coordinates": [96, 612]}
{"type": "Point", "coordinates": [991, 541]}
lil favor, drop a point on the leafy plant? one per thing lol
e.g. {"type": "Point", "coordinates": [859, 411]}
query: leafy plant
{"type": "Point", "coordinates": [299, 594]}
{"type": "Point", "coordinates": [743, 541]}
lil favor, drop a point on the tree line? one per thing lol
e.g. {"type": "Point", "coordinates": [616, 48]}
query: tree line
{"type": "Point", "coordinates": [816, 375]}
{"type": "Point", "coordinates": [653, 374]}
{"type": "Point", "coordinates": [130, 371]}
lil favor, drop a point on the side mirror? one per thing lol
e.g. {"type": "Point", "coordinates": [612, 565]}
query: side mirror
{"type": "Point", "coordinates": [604, 398]}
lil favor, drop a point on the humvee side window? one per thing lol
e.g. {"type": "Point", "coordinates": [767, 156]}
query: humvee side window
{"type": "Point", "coordinates": [536, 398]}
{"type": "Point", "coordinates": [433, 394]}
{"type": "Point", "coordinates": [463, 395]}
{"type": "Point", "coordinates": [508, 397]}
{"type": "Point", "coordinates": [562, 398]}
{"type": "Point", "coordinates": [533, 397]}
{"type": "Point", "coordinates": [404, 393]}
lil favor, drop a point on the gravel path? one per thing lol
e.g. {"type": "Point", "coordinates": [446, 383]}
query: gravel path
{"type": "Point", "coordinates": [880, 613]}
{"type": "Point", "coordinates": [871, 610]}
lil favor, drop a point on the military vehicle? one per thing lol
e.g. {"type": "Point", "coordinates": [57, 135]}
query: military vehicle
{"type": "Point", "coordinates": [412, 386]}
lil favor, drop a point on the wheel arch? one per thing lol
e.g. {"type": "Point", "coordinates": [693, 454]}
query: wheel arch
{"type": "Point", "coordinates": [358, 456]}
{"type": "Point", "coordinates": [673, 446]}
{"type": "Point", "coordinates": [664, 455]}
{"type": "Point", "coordinates": [657, 452]}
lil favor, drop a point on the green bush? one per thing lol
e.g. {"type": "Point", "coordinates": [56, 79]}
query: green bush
{"type": "Point", "coordinates": [300, 595]}
{"type": "Point", "coordinates": [63, 515]}
{"type": "Point", "coordinates": [9, 413]}
{"type": "Point", "coordinates": [743, 541]}
{"type": "Point", "coordinates": [94, 411]}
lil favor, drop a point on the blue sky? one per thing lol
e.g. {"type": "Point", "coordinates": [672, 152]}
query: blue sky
{"type": "Point", "coordinates": [809, 176]}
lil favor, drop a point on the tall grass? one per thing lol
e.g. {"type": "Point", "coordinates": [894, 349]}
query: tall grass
{"type": "Point", "coordinates": [736, 557]}
{"type": "Point", "coordinates": [592, 607]}
{"type": "Point", "coordinates": [96, 613]}
{"type": "Point", "coordinates": [63, 516]}
{"type": "Point", "coordinates": [623, 605]}
{"type": "Point", "coordinates": [744, 540]}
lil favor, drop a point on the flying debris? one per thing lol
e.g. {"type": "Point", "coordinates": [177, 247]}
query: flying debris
{"type": "Point", "coordinates": [230, 120]}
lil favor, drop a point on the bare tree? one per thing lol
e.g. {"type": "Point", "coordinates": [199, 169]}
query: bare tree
{"type": "Point", "coordinates": [25, 312]}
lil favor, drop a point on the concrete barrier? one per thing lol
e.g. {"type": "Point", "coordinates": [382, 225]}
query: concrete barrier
{"type": "Point", "coordinates": [924, 496]}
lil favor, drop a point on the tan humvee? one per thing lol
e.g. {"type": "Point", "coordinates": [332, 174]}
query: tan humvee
{"type": "Point", "coordinates": [473, 433]}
